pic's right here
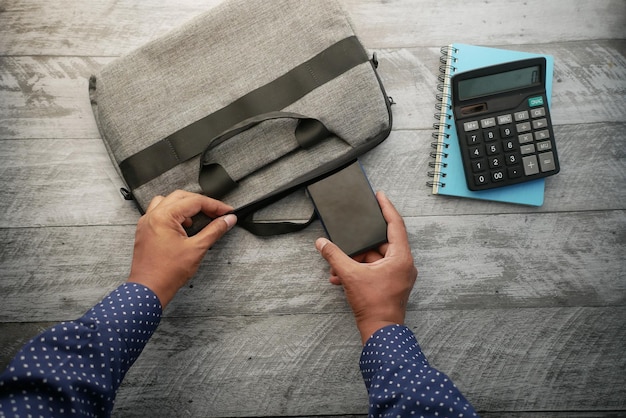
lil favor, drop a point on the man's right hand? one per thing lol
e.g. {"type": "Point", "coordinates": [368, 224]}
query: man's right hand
{"type": "Point", "coordinates": [377, 283]}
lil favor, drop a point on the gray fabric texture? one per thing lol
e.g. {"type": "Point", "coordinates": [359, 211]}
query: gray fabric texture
{"type": "Point", "coordinates": [234, 48]}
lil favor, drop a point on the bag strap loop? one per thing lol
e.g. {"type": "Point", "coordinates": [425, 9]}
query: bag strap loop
{"type": "Point", "coordinates": [216, 180]}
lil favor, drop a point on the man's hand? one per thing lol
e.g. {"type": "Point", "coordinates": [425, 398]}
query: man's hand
{"type": "Point", "coordinates": [164, 257]}
{"type": "Point", "coordinates": [377, 283]}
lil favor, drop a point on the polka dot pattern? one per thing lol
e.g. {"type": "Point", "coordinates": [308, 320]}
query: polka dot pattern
{"type": "Point", "coordinates": [400, 382]}
{"type": "Point", "coordinates": [75, 368]}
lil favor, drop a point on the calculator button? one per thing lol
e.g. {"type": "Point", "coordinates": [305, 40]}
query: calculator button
{"type": "Point", "coordinates": [495, 162]}
{"type": "Point", "coordinates": [497, 176]}
{"type": "Point", "coordinates": [546, 159]}
{"type": "Point", "coordinates": [514, 172]}
{"type": "Point", "coordinates": [505, 119]}
{"type": "Point", "coordinates": [470, 126]}
{"type": "Point", "coordinates": [512, 158]}
{"type": "Point", "coordinates": [539, 135]}
{"type": "Point", "coordinates": [520, 116]}
{"type": "Point", "coordinates": [506, 131]}
{"type": "Point", "coordinates": [535, 101]}
{"type": "Point", "coordinates": [530, 165]}
{"type": "Point", "coordinates": [523, 127]}
{"type": "Point", "coordinates": [538, 112]}
{"type": "Point", "coordinates": [488, 123]}
{"type": "Point", "coordinates": [509, 145]}
{"type": "Point", "coordinates": [493, 149]}
{"type": "Point", "coordinates": [490, 136]}
{"type": "Point", "coordinates": [476, 152]}
{"type": "Point", "coordinates": [478, 166]}
{"type": "Point", "coordinates": [472, 139]}
{"type": "Point", "coordinates": [544, 146]}
{"type": "Point", "coordinates": [540, 123]}
{"type": "Point", "coordinates": [525, 138]}
{"type": "Point", "coordinates": [480, 179]}
{"type": "Point", "coordinates": [527, 149]}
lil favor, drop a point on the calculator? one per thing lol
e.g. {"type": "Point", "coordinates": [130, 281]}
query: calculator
{"type": "Point", "coordinates": [503, 124]}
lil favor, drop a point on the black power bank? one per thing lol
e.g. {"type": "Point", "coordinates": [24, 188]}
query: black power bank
{"type": "Point", "coordinates": [349, 211]}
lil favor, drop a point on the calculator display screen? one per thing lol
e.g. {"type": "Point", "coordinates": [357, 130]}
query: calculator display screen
{"type": "Point", "coordinates": [500, 82]}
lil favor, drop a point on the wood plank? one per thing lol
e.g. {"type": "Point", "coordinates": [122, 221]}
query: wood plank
{"type": "Point", "coordinates": [523, 307]}
{"type": "Point", "coordinates": [531, 359]}
{"type": "Point", "coordinates": [46, 97]}
{"type": "Point", "coordinates": [588, 86]}
{"type": "Point", "coordinates": [502, 359]}
{"type": "Point", "coordinates": [39, 28]}
{"type": "Point", "coordinates": [41, 177]}
{"type": "Point", "coordinates": [465, 262]}
{"type": "Point", "coordinates": [14, 335]}
{"type": "Point", "coordinates": [426, 23]}
{"type": "Point", "coordinates": [537, 359]}
{"type": "Point", "coordinates": [579, 186]}
{"type": "Point", "coordinates": [302, 365]}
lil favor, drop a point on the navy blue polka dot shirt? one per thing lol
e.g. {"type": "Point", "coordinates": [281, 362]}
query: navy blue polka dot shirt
{"type": "Point", "coordinates": [401, 383]}
{"type": "Point", "coordinates": [75, 368]}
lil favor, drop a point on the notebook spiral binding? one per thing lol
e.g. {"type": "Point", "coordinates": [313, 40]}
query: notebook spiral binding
{"type": "Point", "coordinates": [443, 115]}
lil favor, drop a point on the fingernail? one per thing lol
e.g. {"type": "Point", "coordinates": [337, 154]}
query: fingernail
{"type": "Point", "coordinates": [321, 243]}
{"type": "Point", "coordinates": [230, 220]}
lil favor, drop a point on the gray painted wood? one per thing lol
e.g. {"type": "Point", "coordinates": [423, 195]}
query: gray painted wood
{"type": "Point", "coordinates": [46, 96]}
{"type": "Point", "coordinates": [108, 29]}
{"type": "Point", "coordinates": [79, 174]}
{"type": "Point", "coordinates": [523, 307]}
{"type": "Point", "coordinates": [469, 262]}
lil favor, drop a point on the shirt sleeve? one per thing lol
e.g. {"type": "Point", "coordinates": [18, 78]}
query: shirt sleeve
{"type": "Point", "coordinates": [75, 368]}
{"type": "Point", "coordinates": [400, 382]}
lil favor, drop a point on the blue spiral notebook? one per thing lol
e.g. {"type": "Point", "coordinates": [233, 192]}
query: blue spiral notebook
{"type": "Point", "coordinates": [448, 175]}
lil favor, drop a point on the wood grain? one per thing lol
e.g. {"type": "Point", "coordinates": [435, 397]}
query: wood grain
{"type": "Point", "coordinates": [44, 176]}
{"type": "Point", "coordinates": [46, 97]}
{"type": "Point", "coordinates": [468, 262]}
{"type": "Point", "coordinates": [110, 29]}
{"type": "Point", "coordinates": [523, 307]}
{"type": "Point", "coordinates": [305, 365]}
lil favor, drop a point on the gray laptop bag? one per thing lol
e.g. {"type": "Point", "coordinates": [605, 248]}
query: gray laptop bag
{"type": "Point", "coordinates": [246, 103]}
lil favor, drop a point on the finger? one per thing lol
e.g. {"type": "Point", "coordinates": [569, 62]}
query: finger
{"type": "Point", "coordinates": [188, 205]}
{"type": "Point", "coordinates": [215, 230]}
{"type": "Point", "coordinates": [396, 230]}
{"type": "Point", "coordinates": [360, 258]}
{"type": "Point", "coordinates": [382, 249]}
{"type": "Point", "coordinates": [213, 206]}
{"type": "Point", "coordinates": [179, 194]}
{"type": "Point", "coordinates": [339, 262]}
{"type": "Point", "coordinates": [371, 257]}
{"type": "Point", "coordinates": [336, 280]}
{"type": "Point", "coordinates": [156, 200]}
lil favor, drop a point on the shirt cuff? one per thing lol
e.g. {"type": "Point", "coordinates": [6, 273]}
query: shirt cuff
{"type": "Point", "coordinates": [393, 344]}
{"type": "Point", "coordinates": [133, 311]}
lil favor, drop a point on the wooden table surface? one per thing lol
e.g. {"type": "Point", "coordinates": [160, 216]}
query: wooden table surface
{"type": "Point", "coordinates": [525, 308]}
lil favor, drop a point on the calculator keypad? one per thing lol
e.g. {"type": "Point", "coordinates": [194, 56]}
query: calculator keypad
{"type": "Point", "coordinates": [509, 147]}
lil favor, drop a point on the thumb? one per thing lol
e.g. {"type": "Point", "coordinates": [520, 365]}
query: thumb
{"type": "Point", "coordinates": [216, 229]}
{"type": "Point", "coordinates": [338, 260]}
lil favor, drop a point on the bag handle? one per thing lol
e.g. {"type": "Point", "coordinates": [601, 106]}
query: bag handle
{"type": "Point", "coordinates": [246, 214]}
{"type": "Point", "coordinates": [266, 229]}
{"type": "Point", "coordinates": [215, 180]}
{"type": "Point", "coordinates": [246, 220]}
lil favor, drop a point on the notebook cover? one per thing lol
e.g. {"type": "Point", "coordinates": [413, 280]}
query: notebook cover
{"type": "Point", "coordinates": [449, 178]}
